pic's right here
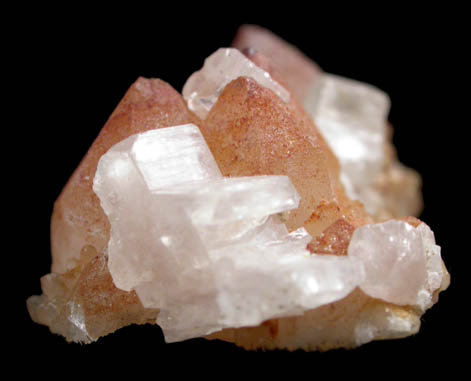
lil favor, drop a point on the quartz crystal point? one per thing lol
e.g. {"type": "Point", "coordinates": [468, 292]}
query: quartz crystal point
{"type": "Point", "coordinates": [203, 87]}
{"type": "Point", "coordinates": [247, 221]}
{"type": "Point", "coordinates": [78, 219]}
{"type": "Point", "coordinates": [352, 117]}
{"type": "Point", "coordinates": [251, 131]}
{"type": "Point", "coordinates": [166, 201]}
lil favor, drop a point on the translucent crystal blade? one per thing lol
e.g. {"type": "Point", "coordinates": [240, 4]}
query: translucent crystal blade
{"type": "Point", "coordinates": [177, 154]}
{"type": "Point", "coordinates": [286, 286]}
{"type": "Point", "coordinates": [352, 117]}
{"type": "Point", "coordinates": [235, 199]}
{"type": "Point", "coordinates": [202, 89]}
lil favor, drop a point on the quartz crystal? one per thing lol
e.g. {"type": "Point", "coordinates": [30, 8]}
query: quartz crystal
{"type": "Point", "coordinates": [203, 87]}
{"type": "Point", "coordinates": [196, 245]}
{"type": "Point", "coordinates": [352, 117]}
{"type": "Point", "coordinates": [149, 104]}
{"type": "Point", "coordinates": [226, 213]}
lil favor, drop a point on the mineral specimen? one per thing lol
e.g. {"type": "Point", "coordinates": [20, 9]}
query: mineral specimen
{"type": "Point", "coordinates": [226, 216]}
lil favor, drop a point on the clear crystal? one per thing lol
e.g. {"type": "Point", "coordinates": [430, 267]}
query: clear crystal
{"type": "Point", "coordinates": [203, 87]}
{"type": "Point", "coordinates": [352, 117]}
{"type": "Point", "coordinates": [402, 263]}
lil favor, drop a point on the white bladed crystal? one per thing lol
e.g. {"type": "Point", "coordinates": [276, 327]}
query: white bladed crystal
{"type": "Point", "coordinates": [180, 155]}
{"type": "Point", "coordinates": [209, 252]}
{"type": "Point", "coordinates": [203, 87]}
{"type": "Point", "coordinates": [234, 199]}
{"type": "Point", "coordinates": [352, 116]}
{"type": "Point", "coordinates": [402, 263]}
{"type": "Point", "coordinates": [138, 245]}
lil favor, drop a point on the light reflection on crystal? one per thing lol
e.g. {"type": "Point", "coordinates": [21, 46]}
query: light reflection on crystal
{"type": "Point", "coordinates": [203, 88]}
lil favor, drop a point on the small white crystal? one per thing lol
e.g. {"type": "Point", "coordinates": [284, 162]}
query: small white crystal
{"type": "Point", "coordinates": [402, 263]}
{"type": "Point", "coordinates": [208, 252]}
{"type": "Point", "coordinates": [203, 87]}
{"type": "Point", "coordinates": [352, 118]}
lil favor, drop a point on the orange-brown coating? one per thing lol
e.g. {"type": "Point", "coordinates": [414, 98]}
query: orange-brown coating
{"type": "Point", "coordinates": [87, 294]}
{"type": "Point", "coordinates": [78, 219]}
{"type": "Point", "coordinates": [333, 240]}
{"type": "Point", "coordinates": [107, 308]}
{"type": "Point", "coordinates": [251, 131]}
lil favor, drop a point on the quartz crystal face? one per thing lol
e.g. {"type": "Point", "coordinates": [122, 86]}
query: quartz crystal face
{"type": "Point", "coordinates": [352, 118]}
{"type": "Point", "coordinates": [231, 212]}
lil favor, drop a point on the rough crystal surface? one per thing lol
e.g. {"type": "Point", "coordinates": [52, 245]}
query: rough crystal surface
{"type": "Point", "coordinates": [196, 245]}
{"type": "Point", "coordinates": [203, 87]}
{"type": "Point", "coordinates": [402, 263]}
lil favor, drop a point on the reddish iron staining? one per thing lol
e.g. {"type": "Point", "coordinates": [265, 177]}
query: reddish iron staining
{"type": "Point", "coordinates": [147, 105]}
{"type": "Point", "coordinates": [323, 210]}
{"type": "Point", "coordinates": [333, 240]}
{"type": "Point", "coordinates": [272, 327]}
{"type": "Point", "coordinates": [270, 137]}
{"type": "Point", "coordinates": [411, 221]}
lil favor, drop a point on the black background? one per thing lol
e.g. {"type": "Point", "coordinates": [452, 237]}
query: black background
{"type": "Point", "coordinates": [71, 69]}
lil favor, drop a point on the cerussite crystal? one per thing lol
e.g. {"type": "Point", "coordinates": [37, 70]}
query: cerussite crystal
{"type": "Point", "coordinates": [203, 87]}
{"type": "Point", "coordinates": [195, 245]}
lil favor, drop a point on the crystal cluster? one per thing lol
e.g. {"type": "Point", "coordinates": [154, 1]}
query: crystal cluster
{"type": "Point", "coordinates": [196, 245]}
{"type": "Point", "coordinates": [227, 212]}
{"type": "Point", "coordinates": [352, 117]}
{"type": "Point", "coordinates": [349, 114]}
